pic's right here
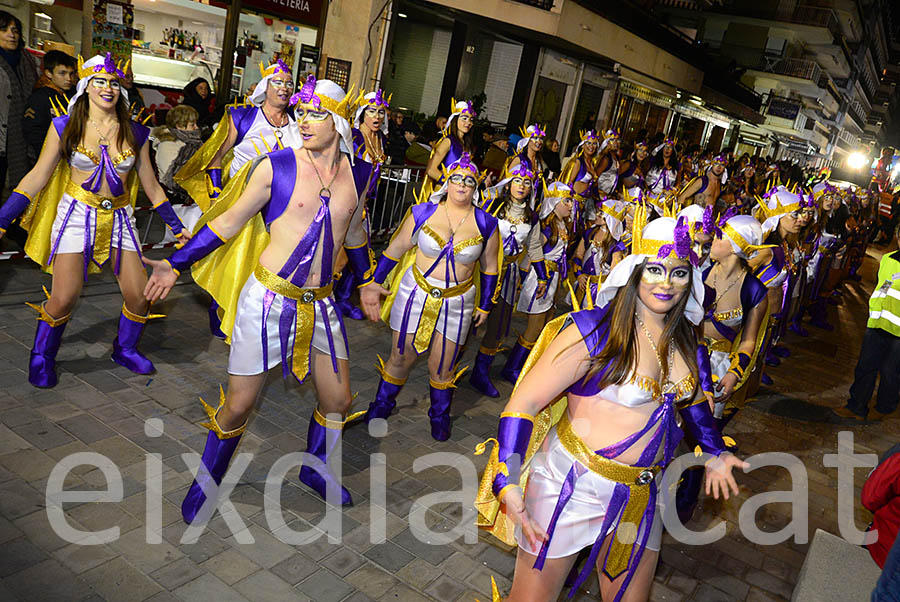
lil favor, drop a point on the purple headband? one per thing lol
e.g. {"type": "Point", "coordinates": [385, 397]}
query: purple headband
{"type": "Point", "coordinates": [641, 143]}
{"type": "Point", "coordinates": [681, 246]}
{"type": "Point", "coordinates": [810, 202]}
{"type": "Point", "coordinates": [379, 100]}
{"type": "Point", "coordinates": [521, 170]}
{"type": "Point", "coordinates": [721, 160]}
{"type": "Point", "coordinates": [538, 132]}
{"type": "Point", "coordinates": [727, 215]}
{"type": "Point", "coordinates": [281, 66]}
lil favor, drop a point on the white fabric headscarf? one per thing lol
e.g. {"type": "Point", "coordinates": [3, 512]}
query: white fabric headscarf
{"type": "Point", "coordinates": [313, 91]}
{"type": "Point", "coordinates": [97, 65]}
{"type": "Point", "coordinates": [660, 229]}
{"type": "Point", "coordinates": [463, 164]}
{"type": "Point", "coordinates": [372, 99]}
{"type": "Point", "coordinates": [460, 107]}
{"type": "Point", "coordinates": [778, 200]}
{"type": "Point", "coordinates": [259, 92]}
{"type": "Point", "coordinates": [532, 131]}
{"type": "Point", "coordinates": [614, 224]}
{"type": "Point", "coordinates": [552, 197]}
{"type": "Point", "coordinates": [743, 232]}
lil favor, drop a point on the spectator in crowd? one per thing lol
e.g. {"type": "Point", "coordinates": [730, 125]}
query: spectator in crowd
{"type": "Point", "coordinates": [550, 155]}
{"type": "Point", "coordinates": [175, 143]}
{"type": "Point", "coordinates": [881, 495]}
{"type": "Point", "coordinates": [434, 129]}
{"type": "Point", "coordinates": [52, 94]}
{"type": "Point", "coordinates": [197, 96]}
{"type": "Point", "coordinates": [135, 97]}
{"type": "Point", "coordinates": [880, 353]}
{"type": "Point", "coordinates": [397, 138]}
{"type": "Point", "coordinates": [18, 74]}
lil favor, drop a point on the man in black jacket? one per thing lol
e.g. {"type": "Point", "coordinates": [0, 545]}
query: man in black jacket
{"type": "Point", "coordinates": [53, 91]}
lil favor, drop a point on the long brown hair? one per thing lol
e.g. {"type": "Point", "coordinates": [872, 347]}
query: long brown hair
{"type": "Point", "coordinates": [78, 117]}
{"type": "Point", "coordinates": [620, 353]}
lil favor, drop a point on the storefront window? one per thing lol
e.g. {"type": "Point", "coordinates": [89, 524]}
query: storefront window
{"type": "Point", "coordinates": [585, 112]}
{"type": "Point", "coordinates": [548, 102]}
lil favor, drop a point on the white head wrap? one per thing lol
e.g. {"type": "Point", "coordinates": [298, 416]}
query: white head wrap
{"type": "Point", "coordinates": [259, 92]}
{"type": "Point", "coordinates": [778, 201]}
{"type": "Point", "coordinates": [328, 96]}
{"type": "Point", "coordinates": [553, 194]}
{"type": "Point", "coordinates": [660, 229]}
{"type": "Point", "coordinates": [92, 68]}
{"type": "Point", "coordinates": [743, 232]}
{"type": "Point", "coordinates": [372, 99]}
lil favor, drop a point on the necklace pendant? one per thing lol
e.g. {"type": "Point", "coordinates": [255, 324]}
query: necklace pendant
{"type": "Point", "coordinates": [278, 133]}
{"type": "Point", "coordinates": [325, 193]}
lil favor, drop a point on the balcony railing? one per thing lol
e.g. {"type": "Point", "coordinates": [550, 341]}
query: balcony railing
{"type": "Point", "coordinates": [856, 111]}
{"type": "Point", "coordinates": [803, 15]}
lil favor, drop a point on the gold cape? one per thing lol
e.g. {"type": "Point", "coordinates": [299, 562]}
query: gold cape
{"type": "Point", "coordinates": [192, 175]}
{"type": "Point", "coordinates": [490, 518]}
{"type": "Point", "coordinates": [224, 272]}
{"type": "Point", "coordinates": [41, 212]}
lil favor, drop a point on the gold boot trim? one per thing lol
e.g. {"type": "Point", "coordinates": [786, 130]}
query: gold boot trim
{"type": "Point", "coordinates": [43, 316]}
{"type": "Point", "coordinates": [393, 380]}
{"type": "Point", "coordinates": [450, 384]}
{"type": "Point", "coordinates": [336, 425]}
{"type": "Point", "coordinates": [213, 424]}
{"type": "Point", "coordinates": [139, 319]}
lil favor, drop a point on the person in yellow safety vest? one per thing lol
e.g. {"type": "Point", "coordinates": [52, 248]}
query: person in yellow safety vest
{"type": "Point", "coordinates": [880, 352]}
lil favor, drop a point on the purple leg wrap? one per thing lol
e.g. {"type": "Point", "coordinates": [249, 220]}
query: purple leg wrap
{"type": "Point", "coordinates": [440, 412]}
{"type": "Point", "coordinates": [514, 362]}
{"type": "Point", "coordinates": [481, 375]}
{"type": "Point", "coordinates": [385, 400]}
{"type": "Point", "coordinates": [42, 366]}
{"type": "Point", "coordinates": [321, 442]}
{"type": "Point", "coordinates": [125, 351]}
{"type": "Point", "coordinates": [215, 459]}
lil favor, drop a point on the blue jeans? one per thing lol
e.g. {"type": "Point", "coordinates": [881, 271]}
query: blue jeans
{"type": "Point", "coordinates": [888, 587]}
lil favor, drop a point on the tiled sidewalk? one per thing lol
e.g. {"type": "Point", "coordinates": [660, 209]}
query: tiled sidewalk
{"type": "Point", "coordinates": [100, 407]}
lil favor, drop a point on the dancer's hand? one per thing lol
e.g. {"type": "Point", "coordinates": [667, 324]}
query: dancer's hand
{"type": "Point", "coordinates": [161, 280]}
{"type": "Point", "coordinates": [582, 281]}
{"type": "Point", "coordinates": [183, 237]}
{"type": "Point", "coordinates": [725, 387]}
{"type": "Point", "coordinates": [719, 479]}
{"type": "Point", "coordinates": [541, 290]}
{"type": "Point", "coordinates": [370, 299]}
{"type": "Point", "coordinates": [479, 318]}
{"type": "Point", "coordinates": [515, 510]}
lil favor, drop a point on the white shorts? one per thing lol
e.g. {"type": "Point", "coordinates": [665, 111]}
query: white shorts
{"type": "Point", "coordinates": [580, 521]}
{"type": "Point", "coordinates": [74, 217]}
{"type": "Point", "coordinates": [454, 319]}
{"type": "Point", "coordinates": [251, 355]}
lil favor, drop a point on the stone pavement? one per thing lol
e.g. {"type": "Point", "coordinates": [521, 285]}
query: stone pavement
{"type": "Point", "coordinates": [100, 407]}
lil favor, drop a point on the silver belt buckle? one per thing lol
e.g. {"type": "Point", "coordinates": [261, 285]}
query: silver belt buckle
{"type": "Point", "coordinates": [436, 293]}
{"type": "Point", "coordinates": [106, 204]}
{"type": "Point", "coordinates": [644, 478]}
{"type": "Point", "coordinates": [308, 297]}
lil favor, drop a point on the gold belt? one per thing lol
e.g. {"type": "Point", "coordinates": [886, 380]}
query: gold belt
{"type": "Point", "coordinates": [306, 314]}
{"type": "Point", "coordinates": [508, 259]}
{"type": "Point", "coordinates": [637, 478]}
{"type": "Point", "coordinates": [432, 307]}
{"type": "Point", "coordinates": [105, 206]}
{"type": "Point", "coordinates": [718, 344]}
{"type": "Point", "coordinates": [92, 199]}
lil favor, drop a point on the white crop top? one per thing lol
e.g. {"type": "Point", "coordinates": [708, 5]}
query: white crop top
{"type": "Point", "coordinates": [85, 159]}
{"type": "Point", "coordinates": [466, 251]}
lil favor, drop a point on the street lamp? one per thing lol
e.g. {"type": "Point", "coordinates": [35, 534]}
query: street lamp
{"type": "Point", "coordinates": [856, 161]}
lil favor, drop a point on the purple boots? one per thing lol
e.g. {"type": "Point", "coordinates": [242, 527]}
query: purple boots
{"type": "Point", "coordinates": [47, 338]}
{"type": "Point", "coordinates": [321, 440]}
{"type": "Point", "coordinates": [125, 352]}
{"type": "Point", "coordinates": [516, 360]}
{"type": "Point", "coordinates": [481, 372]}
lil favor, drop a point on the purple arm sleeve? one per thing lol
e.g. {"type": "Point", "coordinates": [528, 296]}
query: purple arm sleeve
{"type": "Point", "coordinates": [204, 242]}
{"type": "Point", "coordinates": [14, 206]}
{"type": "Point", "coordinates": [513, 435]}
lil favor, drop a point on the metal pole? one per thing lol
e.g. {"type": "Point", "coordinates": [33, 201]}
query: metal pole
{"type": "Point", "coordinates": [229, 41]}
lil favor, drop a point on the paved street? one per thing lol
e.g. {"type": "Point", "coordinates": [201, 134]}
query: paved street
{"type": "Point", "coordinates": [100, 407]}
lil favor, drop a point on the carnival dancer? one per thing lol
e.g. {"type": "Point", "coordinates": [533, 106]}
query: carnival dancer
{"type": "Point", "coordinates": [607, 169]}
{"type": "Point", "coordinates": [703, 229]}
{"type": "Point", "coordinates": [580, 174]}
{"type": "Point", "coordinates": [528, 149]}
{"type": "Point", "coordinates": [78, 205]}
{"type": "Point", "coordinates": [599, 250]}
{"type": "Point", "coordinates": [612, 379]}
{"type": "Point", "coordinates": [245, 132]}
{"type": "Point", "coordinates": [510, 200]}
{"type": "Point", "coordinates": [663, 172]}
{"type": "Point", "coordinates": [547, 252]}
{"type": "Point", "coordinates": [459, 138]}
{"type": "Point", "coordinates": [285, 312]}
{"type": "Point", "coordinates": [706, 189]}
{"type": "Point", "coordinates": [833, 217]}
{"type": "Point", "coordinates": [369, 144]}
{"type": "Point", "coordinates": [432, 301]}
{"type": "Point", "coordinates": [636, 167]}
{"type": "Point", "coordinates": [782, 219]}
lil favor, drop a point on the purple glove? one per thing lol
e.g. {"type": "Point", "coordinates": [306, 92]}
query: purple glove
{"type": "Point", "coordinates": [214, 182]}
{"type": "Point", "coordinates": [204, 242]}
{"type": "Point", "coordinates": [488, 284]}
{"type": "Point", "coordinates": [14, 206]}
{"type": "Point", "coordinates": [165, 211]}
{"type": "Point", "coordinates": [513, 435]}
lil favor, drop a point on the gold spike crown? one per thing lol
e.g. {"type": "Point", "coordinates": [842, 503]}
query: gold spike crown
{"type": "Point", "coordinates": [557, 190]}
{"type": "Point", "coordinates": [533, 131]}
{"type": "Point", "coordinates": [101, 64]}
{"type": "Point", "coordinates": [785, 202]}
{"type": "Point", "coordinates": [586, 135]}
{"type": "Point", "coordinates": [520, 170]}
{"type": "Point", "coordinates": [609, 207]}
{"type": "Point", "coordinates": [463, 165]}
{"type": "Point", "coordinates": [276, 67]}
{"type": "Point", "coordinates": [377, 99]}
{"type": "Point", "coordinates": [342, 108]}
{"type": "Point", "coordinates": [652, 246]}
{"type": "Point", "coordinates": [462, 107]}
